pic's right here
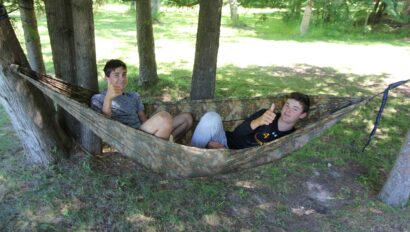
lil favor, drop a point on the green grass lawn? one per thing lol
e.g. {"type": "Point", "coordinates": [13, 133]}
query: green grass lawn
{"type": "Point", "coordinates": [113, 193]}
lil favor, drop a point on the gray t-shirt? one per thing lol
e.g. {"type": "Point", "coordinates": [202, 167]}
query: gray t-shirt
{"type": "Point", "coordinates": [125, 107]}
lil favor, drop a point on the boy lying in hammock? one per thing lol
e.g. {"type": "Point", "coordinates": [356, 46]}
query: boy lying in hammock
{"type": "Point", "coordinates": [127, 107]}
{"type": "Point", "coordinates": [260, 128]}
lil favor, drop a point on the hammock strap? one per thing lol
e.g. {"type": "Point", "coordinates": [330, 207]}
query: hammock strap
{"type": "Point", "coordinates": [383, 104]}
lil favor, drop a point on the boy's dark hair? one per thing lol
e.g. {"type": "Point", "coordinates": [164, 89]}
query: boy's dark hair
{"type": "Point", "coordinates": [111, 65]}
{"type": "Point", "coordinates": [303, 99]}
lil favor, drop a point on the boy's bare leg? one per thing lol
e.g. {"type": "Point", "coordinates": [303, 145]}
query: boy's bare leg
{"type": "Point", "coordinates": [159, 125]}
{"type": "Point", "coordinates": [181, 124]}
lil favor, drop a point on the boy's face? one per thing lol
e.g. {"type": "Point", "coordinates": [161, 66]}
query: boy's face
{"type": "Point", "coordinates": [118, 78]}
{"type": "Point", "coordinates": [292, 111]}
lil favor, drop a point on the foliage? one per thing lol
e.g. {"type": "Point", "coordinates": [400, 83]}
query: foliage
{"type": "Point", "coordinates": [263, 3]}
{"type": "Point", "coordinates": [180, 3]}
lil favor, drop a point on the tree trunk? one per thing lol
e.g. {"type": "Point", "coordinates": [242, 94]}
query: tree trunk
{"type": "Point", "coordinates": [155, 6]}
{"type": "Point", "coordinates": [31, 35]}
{"type": "Point", "coordinates": [206, 52]}
{"type": "Point", "coordinates": [295, 6]}
{"type": "Point", "coordinates": [146, 48]}
{"type": "Point", "coordinates": [86, 62]}
{"type": "Point", "coordinates": [396, 190]}
{"type": "Point", "coordinates": [233, 6]}
{"type": "Point", "coordinates": [71, 31]}
{"type": "Point", "coordinates": [304, 26]}
{"type": "Point", "coordinates": [59, 23]}
{"type": "Point", "coordinates": [33, 120]}
{"type": "Point", "coordinates": [406, 9]}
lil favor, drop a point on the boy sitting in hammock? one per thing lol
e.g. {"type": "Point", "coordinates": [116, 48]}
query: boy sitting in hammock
{"type": "Point", "coordinates": [127, 107]}
{"type": "Point", "coordinates": [260, 128]}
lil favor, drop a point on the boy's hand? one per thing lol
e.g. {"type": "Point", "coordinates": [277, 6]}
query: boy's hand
{"type": "Point", "coordinates": [266, 119]}
{"type": "Point", "coordinates": [113, 91]}
{"type": "Point", "coordinates": [215, 145]}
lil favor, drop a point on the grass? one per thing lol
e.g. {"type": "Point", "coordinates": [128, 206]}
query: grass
{"type": "Point", "coordinates": [113, 193]}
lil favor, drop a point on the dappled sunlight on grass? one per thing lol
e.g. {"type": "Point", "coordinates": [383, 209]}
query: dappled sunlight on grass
{"type": "Point", "coordinates": [116, 8]}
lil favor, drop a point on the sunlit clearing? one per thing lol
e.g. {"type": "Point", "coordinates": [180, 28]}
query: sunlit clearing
{"type": "Point", "coordinates": [212, 219]}
{"type": "Point", "coordinates": [115, 8]}
{"type": "Point", "coordinates": [140, 218]}
{"type": "Point", "coordinates": [300, 211]}
{"type": "Point", "coordinates": [246, 184]}
{"type": "Point", "coordinates": [41, 215]}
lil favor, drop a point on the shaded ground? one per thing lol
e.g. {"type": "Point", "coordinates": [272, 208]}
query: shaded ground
{"type": "Point", "coordinates": [112, 192]}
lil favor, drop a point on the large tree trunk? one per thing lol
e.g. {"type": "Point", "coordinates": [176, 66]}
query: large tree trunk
{"type": "Point", "coordinates": [31, 35]}
{"type": "Point", "coordinates": [233, 5]}
{"type": "Point", "coordinates": [206, 52]}
{"type": "Point", "coordinates": [33, 120]}
{"type": "Point", "coordinates": [396, 190]}
{"type": "Point", "coordinates": [60, 29]}
{"type": "Point", "coordinates": [304, 26]}
{"type": "Point", "coordinates": [146, 48]}
{"type": "Point", "coordinates": [71, 31]}
{"type": "Point", "coordinates": [86, 62]}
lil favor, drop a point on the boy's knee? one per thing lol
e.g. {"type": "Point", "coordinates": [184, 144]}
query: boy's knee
{"type": "Point", "coordinates": [189, 120]}
{"type": "Point", "coordinates": [164, 118]}
{"type": "Point", "coordinates": [211, 117]}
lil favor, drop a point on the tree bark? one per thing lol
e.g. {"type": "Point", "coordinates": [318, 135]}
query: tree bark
{"type": "Point", "coordinates": [206, 51]}
{"type": "Point", "coordinates": [146, 47]}
{"type": "Point", "coordinates": [71, 30]}
{"type": "Point", "coordinates": [60, 29]}
{"type": "Point", "coordinates": [406, 8]}
{"type": "Point", "coordinates": [31, 35]}
{"type": "Point", "coordinates": [86, 62]}
{"type": "Point", "coordinates": [155, 6]}
{"type": "Point", "coordinates": [233, 6]}
{"type": "Point", "coordinates": [33, 120]}
{"type": "Point", "coordinates": [396, 190]}
{"type": "Point", "coordinates": [304, 26]}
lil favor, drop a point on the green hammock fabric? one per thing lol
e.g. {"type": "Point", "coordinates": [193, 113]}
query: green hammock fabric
{"type": "Point", "coordinates": [176, 160]}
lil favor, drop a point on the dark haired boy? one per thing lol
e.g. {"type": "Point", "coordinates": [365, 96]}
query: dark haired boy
{"type": "Point", "coordinates": [127, 107]}
{"type": "Point", "coordinates": [260, 128]}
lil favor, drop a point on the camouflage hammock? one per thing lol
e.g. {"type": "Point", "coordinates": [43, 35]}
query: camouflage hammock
{"type": "Point", "coordinates": [177, 160]}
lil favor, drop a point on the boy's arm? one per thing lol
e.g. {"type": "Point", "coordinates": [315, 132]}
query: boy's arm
{"type": "Point", "coordinates": [265, 119]}
{"type": "Point", "coordinates": [112, 92]}
{"type": "Point", "coordinates": [245, 127]}
{"type": "Point", "coordinates": [260, 118]}
{"type": "Point", "coordinates": [143, 117]}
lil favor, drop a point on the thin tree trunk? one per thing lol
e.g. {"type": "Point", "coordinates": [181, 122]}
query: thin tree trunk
{"type": "Point", "coordinates": [33, 120]}
{"type": "Point", "coordinates": [146, 47]}
{"type": "Point", "coordinates": [396, 190]}
{"type": "Point", "coordinates": [406, 8]}
{"type": "Point", "coordinates": [206, 52]}
{"type": "Point", "coordinates": [233, 6]}
{"type": "Point", "coordinates": [31, 35]}
{"type": "Point", "coordinates": [155, 6]}
{"type": "Point", "coordinates": [304, 26]}
{"type": "Point", "coordinates": [86, 62]}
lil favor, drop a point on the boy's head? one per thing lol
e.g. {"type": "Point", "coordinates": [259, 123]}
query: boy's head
{"type": "Point", "coordinates": [116, 73]}
{"type": "Point", "coordinates": [111, 65]}
{"type": "Point", "coordinates": [303, 99]}
{"type": "Point", "coordinates": [296, 107]}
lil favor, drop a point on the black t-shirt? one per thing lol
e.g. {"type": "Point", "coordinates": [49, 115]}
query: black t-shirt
{"type": "Point", "coordinates": [243, 136]}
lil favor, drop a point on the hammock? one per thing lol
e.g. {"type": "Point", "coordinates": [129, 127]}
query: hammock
{"type": "Point", "coordinates": [177, 160]}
